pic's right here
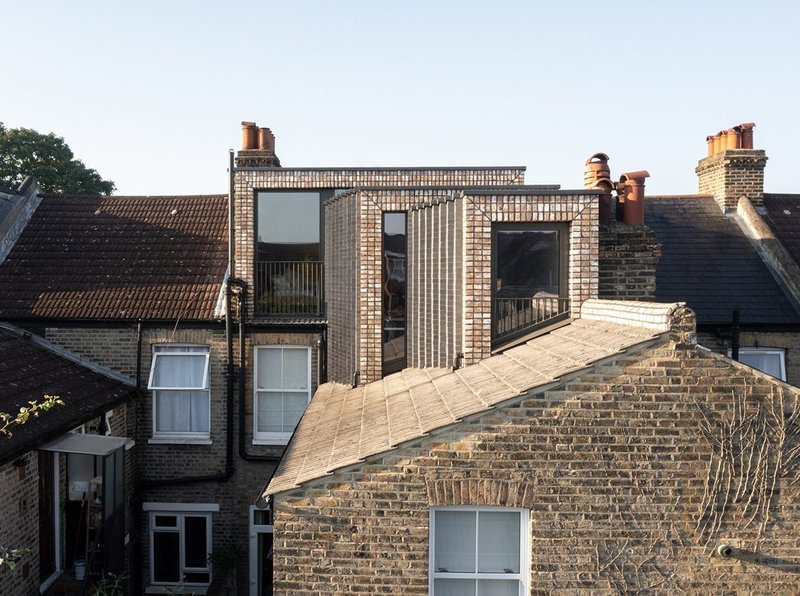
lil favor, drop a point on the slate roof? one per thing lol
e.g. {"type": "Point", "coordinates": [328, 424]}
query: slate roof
{"type": "Point", "coordinates": [783, 216]}
{"type": "Point", "coordinates": [709, 263]}
{"type": "Point", "coordinates": [122, 258]}
{"type": "Point", "coordinates": [29, 369]}
{"type": "Point", "coordinates": [342, 425]}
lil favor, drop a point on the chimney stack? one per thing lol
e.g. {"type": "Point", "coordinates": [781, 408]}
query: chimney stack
{"type": "Point", "coordinates": [732, 168]}
{"type": "Point", "coordinates": [258, 148]}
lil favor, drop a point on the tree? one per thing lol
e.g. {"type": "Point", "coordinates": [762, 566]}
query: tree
{"type": "Point", "coordinates": [26, 152]}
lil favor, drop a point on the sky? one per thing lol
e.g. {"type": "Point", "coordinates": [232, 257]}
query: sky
{"type": "Point", "coordinates": [152, 93]}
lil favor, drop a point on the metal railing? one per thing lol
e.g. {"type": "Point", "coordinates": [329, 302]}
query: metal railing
{"type": "Point", "coordinates": [511, 316]}
{"type": "Point", "coordinates": [290, 288]}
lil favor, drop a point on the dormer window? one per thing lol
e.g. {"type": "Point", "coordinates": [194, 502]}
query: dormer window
{"type": "Point", "coordinates": [530, 281]}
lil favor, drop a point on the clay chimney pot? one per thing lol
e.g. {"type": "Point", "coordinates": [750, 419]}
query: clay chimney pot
{"type": "Point", "coordinates": [249, 136]}
{"type": "Point", "coordinates": [710, 143]}
{"type": "Point", "coordinates": [747, 135]}
{"type": "Point", "coordinates": [633, 184]}
{"type": "Point", "coordinates": [733, 138]}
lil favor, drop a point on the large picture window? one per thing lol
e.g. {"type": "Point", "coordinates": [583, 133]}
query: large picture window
{"type": "Point", "coordinates": [180, 385]}
{"type": "Point", "coordinates": [282, 391]}
{"type": "Point", "coordinates": [478, 551]}
{"type": "Point", "coordinates": [180, 544]}
{"type": "Point", "coordinates": [767, 360]}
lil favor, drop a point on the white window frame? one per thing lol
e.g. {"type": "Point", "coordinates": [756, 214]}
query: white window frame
{"type": "Point", "coordinates": [524, 563]}
{"type": "Point", "coordinates": [179, 436]}
{"type": "Point", "coordinates": [255, 531]}
{"type": "Point", "coordinates": [180, 511]}
{"type": "Point", "coordinates": [275, 438]}
{"type": "Point", "coordinates": [780, 352]}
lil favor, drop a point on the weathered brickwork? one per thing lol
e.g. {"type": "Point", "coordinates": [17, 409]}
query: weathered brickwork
{"type": "Point", "coordinates": [620, 469]}
{"type": "Point", "coordinates": [482, 209]}
{"type": "Point", "coordinates": [628, 259]}
{"type": "Point", "coordinates": [248, 181]}
{"type": "Point", "coordinates": [160, 461]}
{"type": "Point", "coordinates": [789, 342]}
{"type": "Point", "coordinates": [19, 512]}
{"type": "Point", "coordinates": [731, 174]}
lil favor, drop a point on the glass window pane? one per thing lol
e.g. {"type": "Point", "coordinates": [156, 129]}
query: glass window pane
{"type": "Point", "coordinates": [295, 368]}
{"type": "Point", "coordinates": [288, 226]}
{"type": "Point", "coordinates": [454, 587]}
{"type": "Point", "coordinates": [454, 533]}
{"type": "Point", "coordinates": [768, 362]}
{"type": "Point", "coordinates": [269, 375]}
{"type": "Point", "coordinates": [199, 414]}
{"type": "Point", "coordinates": [176, 370]}
{"type": "Point", "coordinates": [195, 542]}
{"type": "Point", "coordinates": [498, 542]}
{"type": "Point", "coordinates": [172, 411]}
{"type": "Point", "coordinates": [166, 557]}
{"type": "Point", "coordinates": [502, 587]}
{"type": "Point", "coordinates": [270, 412]}
{"type": "Point", "coordinates": [527, 263]}
{"type": "Point", "coordinates": [196, 578]}
{"type": "Point", "coordinates": [294, 404]}
{"type": "Point", "coordinates": [166, 521]}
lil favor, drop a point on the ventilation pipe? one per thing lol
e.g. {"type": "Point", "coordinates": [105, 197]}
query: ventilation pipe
{"type": "Point", "coordinates": [631, 187]}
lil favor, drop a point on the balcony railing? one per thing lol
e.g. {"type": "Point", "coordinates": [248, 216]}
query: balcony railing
{"type": "Point", "coordinates": [513, 317]}
{"type": "Point", "coordinates": [290, 288]}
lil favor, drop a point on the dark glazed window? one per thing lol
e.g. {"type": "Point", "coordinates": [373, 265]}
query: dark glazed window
{"type": "Point", "coordinates": [394, 292]}
{"type": "Point", "coordinates": [530, 284]}
{"type": "Point", "coordinates": [288, 226]}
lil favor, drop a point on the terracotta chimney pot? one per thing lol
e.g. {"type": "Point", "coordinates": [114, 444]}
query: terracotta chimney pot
{"type": "Point", "coordinates": [249, 135]}
{"type": "Point", "coordinates": [747, 134]}
{"type": "Point", "coordinates": [718, 143]}
{"type": "Point", "coordinates": [733, 138]}
{"type": "Point", "coordinates": [710, 142]}
{"type": "Point", "coordinates": [633, 184]}
{"type": "Point", "coordinates": [266, 140]}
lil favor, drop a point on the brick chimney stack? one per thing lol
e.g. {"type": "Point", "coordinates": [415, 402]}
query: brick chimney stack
{"type": "Point", "coordinates": [732, 168]}
{"type": "Point", "coordinates": [258, 148]}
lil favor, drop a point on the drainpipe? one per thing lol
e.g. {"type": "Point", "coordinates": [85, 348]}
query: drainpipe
{"type": "Point", "coordinates": [242, 296]}
{"type": "Point", "coordinates": [735, 336]}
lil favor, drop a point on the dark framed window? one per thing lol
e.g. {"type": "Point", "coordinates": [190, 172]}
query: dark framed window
{"type": "Point", "coordinates": [393, 283]}
{"type": "Point", "coordinates": [530, 277]}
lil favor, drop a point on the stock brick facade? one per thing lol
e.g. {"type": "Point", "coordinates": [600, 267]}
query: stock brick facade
{"type": "Point", "coordinates": [731, 174]}
{"type": "Point", "coordinates": [621, 469]}
{"type": "Point", "coordinates": [627, 262]}
{"type": "Point", "coordinates": [248, 181]}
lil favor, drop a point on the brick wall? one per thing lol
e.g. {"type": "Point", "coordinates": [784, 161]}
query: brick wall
{"type": "Point", "coordinates": [789, 342]}
{"type": "Point", "coordinates": [731, 174]}
{"type": "Point", "coordinates": [628, 259]}
{"type": "Point", "coordinates": [116, 348]}
{"type": "Point", "coordinates": [482, 209]}
{"type": "Point", "coordinates": [19, 512]}
{"type": "Point", "coordinates": [619, 469]}
{"type": "Point", "coordinates": [248, 181]}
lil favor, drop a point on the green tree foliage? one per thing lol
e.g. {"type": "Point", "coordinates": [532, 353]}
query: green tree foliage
{"type": "Point", "coordinates": [25, 152]}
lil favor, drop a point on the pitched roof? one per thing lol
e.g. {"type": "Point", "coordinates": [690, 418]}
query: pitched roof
{"type": "Point", "coordinates": [122, 258]}
{"type": "Point", "coordinates": [31, 368]}
{"type": "Point", "coordinates": [342, 425]}
{"type": "Point", "coordinates": [708, 262]}
{"type": "Point", "coordinates": [783, 216]}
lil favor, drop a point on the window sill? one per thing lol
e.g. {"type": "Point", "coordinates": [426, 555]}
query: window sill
{"type": "Point", "coordinates": [176, 589]}
{"type": "Point", "coordinates": [271, 442]}
{"type": "Point", "coordinates": [180, 441]}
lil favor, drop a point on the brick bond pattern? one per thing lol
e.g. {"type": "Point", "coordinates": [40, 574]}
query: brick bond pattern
{"type": "Point", "coordinates": [731, 174]}
{"type": "Point", "coordinates": [613, 468]}
{"type": "Point", "coordinates": [484, 209]}
{"type": "Point", "coordinates": [628, 259]}
{"type": "Point", "coordinates": [248, 181]}
{"type": "Point", "coordinates": [116, 349]}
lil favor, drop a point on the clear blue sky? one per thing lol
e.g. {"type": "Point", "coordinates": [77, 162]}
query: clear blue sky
{"type": "Point", "coordinates": [151, 94]}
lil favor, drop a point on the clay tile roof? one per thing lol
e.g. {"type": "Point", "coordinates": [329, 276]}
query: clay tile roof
{"type": "Point", "coordinates": [342, 425]}
{"type": "Point", "coordinates": [29, 369]}
{"type": "Point", "coordinates": [783, 216]}
{"type": "Point", "coordinates": [709, 263]}
{"type": "Point", "coordinates": [118, 258]}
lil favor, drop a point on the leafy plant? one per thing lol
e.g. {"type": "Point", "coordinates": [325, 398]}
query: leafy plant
{"type": "Point", "coordinates": [34, 408]}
